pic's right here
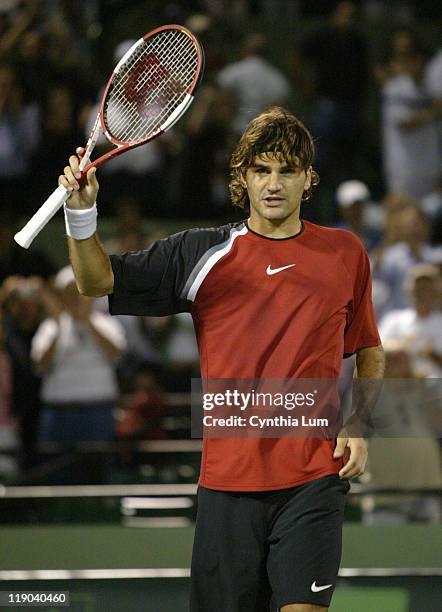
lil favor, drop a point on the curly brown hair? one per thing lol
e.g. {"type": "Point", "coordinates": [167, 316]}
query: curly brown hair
{"type": "Point", "coordinates": [274, 131]}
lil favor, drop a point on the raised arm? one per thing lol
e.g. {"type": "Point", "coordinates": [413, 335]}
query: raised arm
{"type": "Point", "coordinates": [92, 267]}
{"type": "Point", "coordinates": [90, 262]}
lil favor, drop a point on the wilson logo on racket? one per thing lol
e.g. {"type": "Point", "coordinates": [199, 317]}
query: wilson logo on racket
{"type": "Point", "coordinates": [150, 88]}
{"type": "Point", "coordinates": [145, 76]}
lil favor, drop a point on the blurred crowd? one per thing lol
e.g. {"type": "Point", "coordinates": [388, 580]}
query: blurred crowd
{"type": "Point", "coordinates": [68, 371]}
{"type": "Point", "coordinates": [373, 103]}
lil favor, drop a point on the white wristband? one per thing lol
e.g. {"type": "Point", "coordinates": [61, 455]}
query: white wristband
{"type": "Point", "coordinates": [80, 223]}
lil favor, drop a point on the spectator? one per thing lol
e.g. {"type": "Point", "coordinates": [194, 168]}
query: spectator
{"type": "Point", "coordinates": [203, 150]}
{"type": "Point", "coordinates": [358, 214]}
{"type": "Point", "coordinates": [392, 206]}
{"type": "Point", "coordinates": [12, 34]}
{"type": "Point", "coordinates": [418, 329]}
{"type": "Point", "coordinates": [414, 460]}
{"type": "Point", "coordinates": [206, 128]}
{"type": "Point", "coordinates": [61, 132]}
{"type": "Point", "coordinates": [253, 82]}
{"type": "Point", "coordinates": [412, 153]}
{"type": "Point", "coordinates": [77, 352]}
{"type": "Point", "coordinates": [8, 421]}
{"type": "Point", "coordinates": [19, 137]}
{"type": "Point", "coordinates": [66, 27]}
{"type": "Point", "coordinates": [179, 349]}
{"type": "Point", "coordinates": [141, 347]}
{"type": "Point", "coordinates": [395, 262]}
{"type": "Point", "coordinates": [129, 227]}
{"type": "Point", "coordinates": [431, 203]}
{"type": "Point", "coordinates": [402, 44]}
{"type": "Point", "coordinates": [335, 62]}
{"type": "Point", "coordinates": [144, 412]}
{"type": "Point", "coordinates": [140, 335]}
{"type": "Point", "coordinates": [433, 83]}
{"type": "Point", "coordinates": [24, 305]}
{"type": "Point", "coordinates": [31, 61]}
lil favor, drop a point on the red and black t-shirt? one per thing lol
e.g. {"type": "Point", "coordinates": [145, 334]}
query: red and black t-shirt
{"type": "Point", "coordinates": [262, 307]}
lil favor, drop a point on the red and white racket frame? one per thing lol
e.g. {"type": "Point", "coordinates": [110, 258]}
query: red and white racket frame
{"type": "Point", "coordinates": [56, 200]}
{"type": "Point", "coordinates": [100, 126]}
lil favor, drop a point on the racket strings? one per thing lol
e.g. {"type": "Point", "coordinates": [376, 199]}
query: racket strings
{"type": "Point", "coordinates": [171, 96]}
{"type": "Point", "coordinates": [120, 107]}
{"type": "Point", "coordinates": [145, 117]}
{"type": "Point", "coordinates": [150, 86]}
{"type": "Point", "coordinates": [173, 88]}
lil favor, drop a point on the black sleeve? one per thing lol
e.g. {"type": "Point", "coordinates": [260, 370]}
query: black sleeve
{"type": "Point", "coordinates": [152, 282]}
{"type": "Point", "coordinates": [148, 282]}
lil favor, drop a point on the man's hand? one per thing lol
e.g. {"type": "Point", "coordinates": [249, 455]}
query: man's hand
{"type": "Point", "coordinates": [84, 191]}
{"type": "Point", "coordinates": [357, 455]}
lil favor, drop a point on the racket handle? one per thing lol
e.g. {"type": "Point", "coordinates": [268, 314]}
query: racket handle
{"type": "Point", "coordinates": [43, 215]}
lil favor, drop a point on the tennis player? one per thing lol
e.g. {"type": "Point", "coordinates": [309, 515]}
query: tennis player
{"type": "Point", "coordinates": [271, 296]}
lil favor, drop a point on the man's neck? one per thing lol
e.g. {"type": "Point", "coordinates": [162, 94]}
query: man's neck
{"type": "Point", "coordinates": [284, 228]}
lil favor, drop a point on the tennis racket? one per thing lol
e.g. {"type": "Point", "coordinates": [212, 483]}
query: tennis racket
{"type": "Point", "coordinates": [150, 88]}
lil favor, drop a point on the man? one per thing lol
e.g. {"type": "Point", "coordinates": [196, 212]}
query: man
{"type": "Point", "coordinates": [76, 349]}
{"type": "Point", "coordinates": [252, 82]}
{"type": "Point", "coordinates": [411, 148]}
{"type": "Point", "coordinates": [412, 247]}
{"type": "Point", "coordinates": [358, 214]}
{"type": "Point", "coordinates": [271, 297]}
{"type": "Point", "coordinates": [418, 329]}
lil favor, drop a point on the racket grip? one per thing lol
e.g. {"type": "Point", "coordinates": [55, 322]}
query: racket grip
{"type": "Point", "coordinates": [43, 215]}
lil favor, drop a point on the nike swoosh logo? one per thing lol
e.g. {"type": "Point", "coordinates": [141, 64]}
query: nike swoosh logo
{"type": "Point", "coordinates": [271, 271]}
{"type": "Point", "coordinates": [318, 589]}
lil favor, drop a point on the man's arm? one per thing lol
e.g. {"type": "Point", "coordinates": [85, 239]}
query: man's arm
{"type": "Point", "coordinates": [90, 262]}
{"type": "Point", "coordinates": [370, 365]}
{"type": "Point", "coordinates": [370, 370]}
{"type": "Point", "coordinates": [92, 267]}
{"type": "Point", "coordinates": [370, 362]}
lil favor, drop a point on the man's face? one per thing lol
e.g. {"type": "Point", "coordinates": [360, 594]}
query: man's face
{"type": "Point", "coordinates": [275, 188]}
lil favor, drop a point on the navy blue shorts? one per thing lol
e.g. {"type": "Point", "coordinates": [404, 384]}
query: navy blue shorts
{"type": "Point", "coordinates": [259, 551]}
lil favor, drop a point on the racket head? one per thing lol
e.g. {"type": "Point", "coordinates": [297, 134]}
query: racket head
{"type": "Point", "coordinates": [151, 86]}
